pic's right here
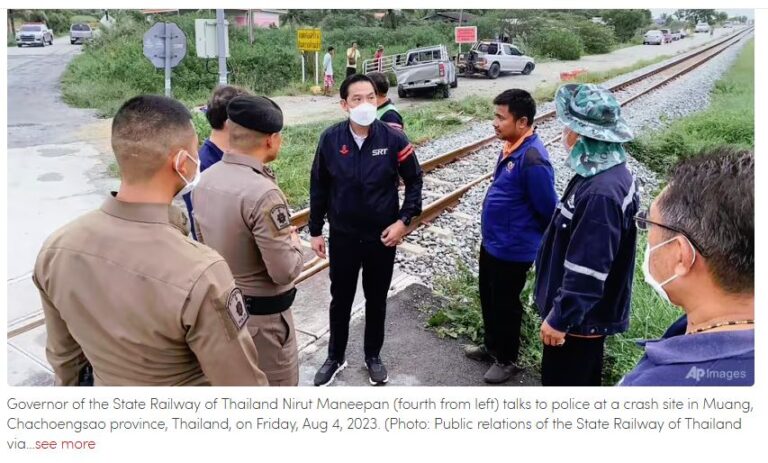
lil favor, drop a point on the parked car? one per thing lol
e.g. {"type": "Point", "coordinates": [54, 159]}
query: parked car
{"type": "Point", "coordinates": [702, 27]}
{"type": "Point", "coordinates": [418, 69]}
{"type": "Point", "coordinates": [34, 34]}
{"type": "Point", "coordinates": [667, 35]}
{"type": "Point", "coordinates": [492, 58]}
{"type": "Point", "coordinates": [80, 32]}
{"type": "Point", "coordinates": [653, 37]}
{"type": "Point", "coordinates": [677, 35]}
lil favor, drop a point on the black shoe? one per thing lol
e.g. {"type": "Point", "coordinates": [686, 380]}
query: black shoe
{"type": "Point", "coordinates": [479, 353]}
{"type": "Point", "coordinates": [377, 374]}
{"type": "Point", "coordinates": [500, 372]}
{"type": "Point", "coordinates": [327, 373]}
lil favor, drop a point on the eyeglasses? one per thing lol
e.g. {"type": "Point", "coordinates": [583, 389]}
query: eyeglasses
{"type": "Point", "coordinates": [643, 223]}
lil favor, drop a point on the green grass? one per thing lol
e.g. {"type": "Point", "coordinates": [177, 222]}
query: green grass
{"type": "Point", "coordinates": [729, 120]}
{"type": "Point", "coordinates": [546, 92]}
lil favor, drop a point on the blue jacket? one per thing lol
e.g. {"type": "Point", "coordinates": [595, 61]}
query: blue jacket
{"type": "Point", "coordinates": [586, 262]}
{"type": "Point", "coordinates": [357, 188]}
{"type": "Point", "coordinates": [724, 358]}
{"type": "Point", "coordinates": [519, 202]}
{"type": "Point", "coordinates": [209, 155]}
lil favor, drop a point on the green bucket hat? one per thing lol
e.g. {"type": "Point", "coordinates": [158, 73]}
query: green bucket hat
{"type": "Point", "coordinates": [592, 111]}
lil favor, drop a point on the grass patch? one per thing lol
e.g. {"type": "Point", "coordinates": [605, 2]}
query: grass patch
{"type": "Point", "coordinates": [461, 318]}
{"type": "Point", "coordinates": [546, 92]}
{"type": "Point", "coordinates": [729, 120]}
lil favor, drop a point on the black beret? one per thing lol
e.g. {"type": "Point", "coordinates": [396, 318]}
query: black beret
{"type": "Point", "coordinates": [257, 113]}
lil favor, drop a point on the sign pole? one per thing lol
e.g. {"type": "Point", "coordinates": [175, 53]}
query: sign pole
{"type": "Point", "coordinates": [220, 38]}
{"type": "Point", "coordinates": [167, 60]}
{"type": "Point", "coordinates": [317, 66]}
{"type": "Point", "coordinates": [303, 72]}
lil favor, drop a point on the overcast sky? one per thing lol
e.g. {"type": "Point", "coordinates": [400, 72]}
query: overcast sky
{"type": "Point", "coordinates": [731, 12]}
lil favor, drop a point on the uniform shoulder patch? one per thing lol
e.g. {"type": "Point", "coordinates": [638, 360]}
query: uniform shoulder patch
{"type": "Point", "coordinates": [280, 216]}
{"type": "Point", "coordinates": [236, 308]}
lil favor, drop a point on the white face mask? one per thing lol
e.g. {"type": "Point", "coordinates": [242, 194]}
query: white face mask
{"type": "Point", "coordinates": [189, 185]}
{"type": "Point", "coordinates": [363, 114]}
{"type": "Point", "coordinates": [659, 287]}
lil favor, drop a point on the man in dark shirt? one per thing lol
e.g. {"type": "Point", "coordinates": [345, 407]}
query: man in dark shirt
{"type": "Point", "coordinates": [385, 110]}
{"type": "Point", "coordinates": [218, 141]}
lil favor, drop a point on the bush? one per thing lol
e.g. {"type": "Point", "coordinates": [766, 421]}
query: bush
{"type": "Point", "coordinates": [626, 22]}
{"type": "Point", "coordinates": [597, 39]}
{"type": "Point", "coordinates": [557, 43]}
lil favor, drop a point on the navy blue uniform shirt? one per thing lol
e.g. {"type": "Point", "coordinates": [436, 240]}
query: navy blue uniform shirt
{"type": "Point", "coordinates": [209, 155]}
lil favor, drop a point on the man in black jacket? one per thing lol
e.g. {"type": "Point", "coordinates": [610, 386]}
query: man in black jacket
{"type": "Point", "coordinates": [355, 175]}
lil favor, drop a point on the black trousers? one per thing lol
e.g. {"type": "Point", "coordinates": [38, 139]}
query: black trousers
{"type": "Point", "coordinates": [501, 283]}
{"type": "Point", "coordinates": [347, 256]}
{"type": "Point", "coordinates": [578, 362]}
{"type": "Point", "coordinates": [351, 71]}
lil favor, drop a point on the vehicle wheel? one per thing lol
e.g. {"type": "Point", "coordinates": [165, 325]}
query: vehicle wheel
{"type": "Point", "coordinates": [494, 71]}
{"type": "Point", "coordinates": [445, 91]}
{"type": "Point", "coordinates": [528, 69]}
{"type": "Point", "coordinates": [72, 42]}
{"type": "Point", "coordinates": [50, 42]}
{"type": "Point", "coordinates": [18, 45]}
{"type": "Point", "coordinates": [401, 93]}
{"type": "Point", "coordinates": [455, 82]}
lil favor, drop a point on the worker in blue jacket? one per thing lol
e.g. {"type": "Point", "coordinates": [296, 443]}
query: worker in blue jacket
{"type": "Point", "coordinates": [516, 211]}
{"type": "Point", "coordinates": [700, 256]}
{"type": "Point", "coordinates": [585, 264]}
{"type": "Point", "coordinates": [355, 176]}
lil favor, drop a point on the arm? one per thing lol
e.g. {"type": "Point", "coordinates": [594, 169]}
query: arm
{"type": "Point", "coordinates": [62, 351]}
{"type": "Point", "coordinates": [594, 243]}
{"type": "Point", "coordinates": [319, 192]}
{"type": "Point", "coordinates": [215, 319]}
{"type": "Point", "coordinates": [393, 119]}
{"type": "Point", "coordinates": [270, 224]}
{"type": "Point", "coordinates": [539, 179]}
{"type": "Point", "coordinates": [410, 171]}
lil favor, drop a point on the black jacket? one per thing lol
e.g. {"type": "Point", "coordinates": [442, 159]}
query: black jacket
{"type": "Point", "coordinates": [357, 188]}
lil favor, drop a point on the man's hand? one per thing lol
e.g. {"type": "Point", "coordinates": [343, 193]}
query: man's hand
{"type": "Point", "coordinates": [393, 234]}
{"type": "Point", "coordinates": [295, 237]}
{"type": "Point", "coordinates": [318, 245]}
{"type": "Point", "coordinates": [550, 336]}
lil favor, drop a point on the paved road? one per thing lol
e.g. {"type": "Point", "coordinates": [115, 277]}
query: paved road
{"type": "Point", "coordinates": [55, 173]}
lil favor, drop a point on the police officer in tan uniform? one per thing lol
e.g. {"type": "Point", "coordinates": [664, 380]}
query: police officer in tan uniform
{"type": "Point", "coordinates": [123, 287]}
{"type": "Point", "coordinates": [240, 212]}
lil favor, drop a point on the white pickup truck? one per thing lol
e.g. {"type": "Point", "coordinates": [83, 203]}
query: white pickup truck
{"type": "Point", "coordinates": [492, 58]}
{"type": "Point", "coordinates": [418, 69]}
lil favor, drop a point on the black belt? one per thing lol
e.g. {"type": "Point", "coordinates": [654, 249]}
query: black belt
{"type": "Point", "coordinates": [268, 305]}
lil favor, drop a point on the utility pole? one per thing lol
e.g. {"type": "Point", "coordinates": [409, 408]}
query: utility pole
{"type": "Point", "coordinates": [250, 26]}
{"type": "Point", "coordinates": [220, 38]}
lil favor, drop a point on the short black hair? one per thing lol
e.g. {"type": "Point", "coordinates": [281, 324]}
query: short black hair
{"type": "Point", "coordinates": [519, 103]}
{"type": "Point", "coordinates": [711, 196]}
{"type": "Point", "coordinates": [216, 111]}
{"type": "Point", "coordinates": [353, 79]}
{"type": "Point", "coordinates": [144, 130]}
{"type": "Point", "coordinates": [380, 82]}
{"type": "Point", "coordinates": [331, 48]}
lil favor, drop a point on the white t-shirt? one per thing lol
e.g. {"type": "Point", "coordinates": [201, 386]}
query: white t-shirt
{"type": "Point", "coordinates": [328, 64]}
{"type": "Point", "coordinates": [358, 139]}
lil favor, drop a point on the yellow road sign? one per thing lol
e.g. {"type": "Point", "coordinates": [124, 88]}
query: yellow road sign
{"type": "Point", "coordinates": [309, 39]}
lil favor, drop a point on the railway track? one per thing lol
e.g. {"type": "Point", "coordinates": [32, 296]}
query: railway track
{"type": "Point", "coordinates": [660, 76]}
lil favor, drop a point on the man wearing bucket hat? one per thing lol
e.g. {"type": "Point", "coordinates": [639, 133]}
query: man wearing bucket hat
{"type": "Point", "coordinates": [585, 265]}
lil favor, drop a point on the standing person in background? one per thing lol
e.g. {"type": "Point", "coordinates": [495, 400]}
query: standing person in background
{"type": "Point", "coordinates": [379, 54]}
{"type": "Point", "coordinates": [353, 57]}
{"type": "Point", "coordinates": [217, 143]}
{"type": "Point", "coordinates": [701, 256]}
{"type": "Point", "coordinates": [328, 71]}
{"type": "Point", "coordinates": [586, 261]}
{"type": "Point", "coordinates": [516, 211]}
{"type": "Point", "coordinates": [385, 110]}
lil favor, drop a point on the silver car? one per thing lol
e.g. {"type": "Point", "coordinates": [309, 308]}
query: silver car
{"type": "Point", "coordinates": [34, 34]}
{"type": "Point", "coordinates": [80, 33]}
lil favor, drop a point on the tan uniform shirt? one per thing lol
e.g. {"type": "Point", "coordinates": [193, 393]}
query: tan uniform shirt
{"type": "Point", "coordinates": [124, 288]}
{"type": "Point", "coordinates": [240, 211]}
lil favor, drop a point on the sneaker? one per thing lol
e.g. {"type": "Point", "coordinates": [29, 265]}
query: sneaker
{"type": "Point", "coordinates": [327, 373]}
{"type": "Point", "coordinates": [479, 353]}
{"type": "Point", "coordinates": [500, 372]}
{"type": "Point", "coordinates": [377, 374]}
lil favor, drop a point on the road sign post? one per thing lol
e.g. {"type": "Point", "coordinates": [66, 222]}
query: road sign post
{"type": "Point", "coordinates": [165, 45]}
{"type": "Point", "coordinates": [309, 40]}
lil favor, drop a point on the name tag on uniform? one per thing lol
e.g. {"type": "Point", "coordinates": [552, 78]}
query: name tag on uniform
{"type": "Point", "coordinates": [236, 308]}
{"type": "Point", "coordinates": [380, 152]}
